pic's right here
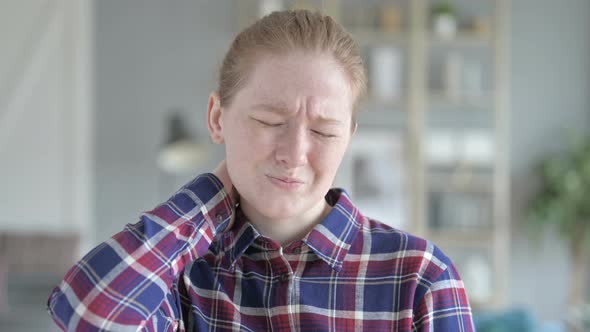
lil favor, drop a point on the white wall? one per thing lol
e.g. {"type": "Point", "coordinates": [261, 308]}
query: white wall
{"type": "Point", "coordinates": [151, 56]}
{"type": "Point", "coordinates": [45, 132]}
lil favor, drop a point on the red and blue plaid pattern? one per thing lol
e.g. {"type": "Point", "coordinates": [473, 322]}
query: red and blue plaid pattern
{"type": "Point", "coordinates": [181, 269]}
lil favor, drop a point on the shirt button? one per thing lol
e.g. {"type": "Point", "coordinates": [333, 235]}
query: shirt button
{"type": "Point", "coordinates": [285, 277]}
{"type": "Point", "coordinates": [219, 219]}
{"type": "Point", "coordinates": [297, 250]}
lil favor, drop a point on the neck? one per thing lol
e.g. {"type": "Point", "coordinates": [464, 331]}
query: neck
{"type": "Point", "coordinates": [287, 230]}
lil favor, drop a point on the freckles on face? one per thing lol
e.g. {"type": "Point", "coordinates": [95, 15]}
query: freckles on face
{"type": "Point", "coordinates": [290, 122]}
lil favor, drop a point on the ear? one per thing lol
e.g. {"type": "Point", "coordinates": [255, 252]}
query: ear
{"type": "Point", "coordinates": [353, 127]}
{"type": "Point", "coordinates": [214, 121]}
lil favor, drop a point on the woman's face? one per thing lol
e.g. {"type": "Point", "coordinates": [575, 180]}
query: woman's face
{"type": "Point", "coordinates": [286, 132]}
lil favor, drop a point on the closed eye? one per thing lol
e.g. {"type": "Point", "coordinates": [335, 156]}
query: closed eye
{"type": "Point", "coordinates": [268, 124]}
{"type": "Point", "coordinates": [322, 134]}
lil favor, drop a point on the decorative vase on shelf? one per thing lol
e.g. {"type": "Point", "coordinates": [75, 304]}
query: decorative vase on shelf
{"type": "Point", "coordinates": [266, 7]}
{"type": "Point", "coordinates": [444, 20]}
{"type": "Point", "coordinates": [472, 79]}
{"type": "Point", "coordinates": [391, 19]}
{"type": "Point", "coordinates": [452, 75]}
{"type": "Point", "coordinates": [445, 26]}
{"type": "Point", "coordinates": [385, 73]}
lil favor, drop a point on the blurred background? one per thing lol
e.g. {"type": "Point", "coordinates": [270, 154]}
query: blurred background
{"type": "Point", "coordinates": [472, 135]}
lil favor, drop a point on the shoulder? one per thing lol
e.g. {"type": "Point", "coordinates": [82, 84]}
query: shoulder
{"type": "Point", "coordinates": [403, 250]}
{"type": "Point", "coordinates": [420, 270]}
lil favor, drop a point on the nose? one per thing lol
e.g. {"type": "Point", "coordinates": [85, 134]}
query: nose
{"type": "Point", "coordinates": [292, 147]}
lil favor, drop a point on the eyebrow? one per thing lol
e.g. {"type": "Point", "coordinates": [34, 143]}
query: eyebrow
{"type": "Point", "coordinates": [274, 108]}
{"type": "Point", "coordinates": [281, 109]}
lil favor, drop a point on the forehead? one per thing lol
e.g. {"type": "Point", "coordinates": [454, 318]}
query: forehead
{"type": "Point", "coordinates": [315, 81]}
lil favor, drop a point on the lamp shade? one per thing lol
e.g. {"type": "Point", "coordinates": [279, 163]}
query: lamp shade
{"type": "Point", "coordinates": [181, 153]}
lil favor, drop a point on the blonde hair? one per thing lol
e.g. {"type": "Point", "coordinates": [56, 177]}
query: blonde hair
{"type": "Point", "coordinates": [288, 31]}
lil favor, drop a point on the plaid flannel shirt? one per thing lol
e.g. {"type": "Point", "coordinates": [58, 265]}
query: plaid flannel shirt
{"type": "Point", "coordinates": [188, 266]}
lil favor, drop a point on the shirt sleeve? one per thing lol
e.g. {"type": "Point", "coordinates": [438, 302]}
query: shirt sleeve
{"type": "Point", "coordinates": [122, 283]}
{"type": "Point", "coordinates": [444, 306]}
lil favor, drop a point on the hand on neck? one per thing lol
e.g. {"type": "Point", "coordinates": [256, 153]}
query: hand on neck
{"type": "Point", "coordinates": [286, 230]}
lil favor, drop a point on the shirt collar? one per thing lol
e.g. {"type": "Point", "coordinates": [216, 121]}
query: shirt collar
{"type": "Point", "coordinates": [330, 240]}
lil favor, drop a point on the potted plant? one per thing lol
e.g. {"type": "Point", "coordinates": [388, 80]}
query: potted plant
{"type": "Point", "coordinates": [564, 202]}
{"type": "Point", "coordinates": [444, 19]}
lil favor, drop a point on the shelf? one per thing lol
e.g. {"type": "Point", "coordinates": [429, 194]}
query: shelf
{"type": "Point", "coordinates": [462, 39]}
{"type": "Point", "coordinates": [460, 182]}
{"type": "Point", "coordinates": [462, 211]}
{"type": "Point", "coordinates": [479, 101]}
{"type": "Point", "coordinates": [374, 103]}
{"type": "Point", "coordinates": [386, 118]}
{"type": "Point", "coordinates": [458, 118]}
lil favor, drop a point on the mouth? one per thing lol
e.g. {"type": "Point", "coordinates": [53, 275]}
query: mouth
{"type": "Point", "coordinates": [284, 182]}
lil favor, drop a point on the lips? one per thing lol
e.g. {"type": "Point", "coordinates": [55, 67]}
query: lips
{"type": "Point", "coordinates": [287, 179]}
{"type": "Point", "coordinates": [285, 182]}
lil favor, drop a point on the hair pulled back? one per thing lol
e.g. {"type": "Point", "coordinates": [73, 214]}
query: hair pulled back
{"type": "Point", "coordinates": [285, 32]}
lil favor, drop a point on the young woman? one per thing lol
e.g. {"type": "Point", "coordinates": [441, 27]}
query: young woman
{"type": "Point", "coordinates": [263, 243]}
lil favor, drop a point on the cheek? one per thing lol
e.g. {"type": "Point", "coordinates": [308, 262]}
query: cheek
{"type": "Point", "coordinates": [327, 159]}
{"type": "Point", "coordinates": [245, 145]}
